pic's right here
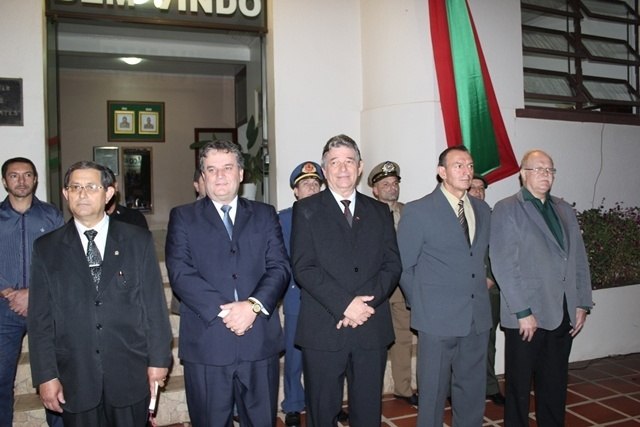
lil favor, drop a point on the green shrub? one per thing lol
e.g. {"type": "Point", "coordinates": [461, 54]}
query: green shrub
{"type": "Point", "coordinates": [612, 240]}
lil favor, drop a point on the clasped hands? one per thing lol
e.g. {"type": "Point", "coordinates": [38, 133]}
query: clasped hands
{"type": "Point", "coordinates": [239, 318]}
{"type": "Point", "coordinates": [357, 312]}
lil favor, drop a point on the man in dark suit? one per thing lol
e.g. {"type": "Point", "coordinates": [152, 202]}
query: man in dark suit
{"type": "Point", "coordinates": [539, 259]}
{"type": "Point", "coordinates": [228, 265]}
{"type": "Point", "coordinates": [443, 239]}
{"type": "Point", "coordinates": [345, 259]}
{"type": "Point", "coordinates": [122, 213]}
{"type": "Point", "coordinates": [99, 333]}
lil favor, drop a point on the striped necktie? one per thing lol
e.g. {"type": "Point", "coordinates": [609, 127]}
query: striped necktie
{"type": "Point", "coordinates": [226, 219]}
{"type": "Point", "coordinates": [463, 220]}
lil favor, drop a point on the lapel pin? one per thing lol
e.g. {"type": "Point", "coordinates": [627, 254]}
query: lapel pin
{"type": "Point", "coordinates": [116, 253]}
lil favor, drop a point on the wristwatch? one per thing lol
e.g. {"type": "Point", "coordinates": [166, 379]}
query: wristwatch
{"type": "Point", "coordinates": [256, 307]}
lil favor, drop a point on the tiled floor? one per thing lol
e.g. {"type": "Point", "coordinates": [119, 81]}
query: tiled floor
{"type": "Point", "coordinates": [602, 392]}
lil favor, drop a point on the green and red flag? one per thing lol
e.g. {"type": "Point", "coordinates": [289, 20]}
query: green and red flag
{"type": "Point", "coordinates": [469, 106]}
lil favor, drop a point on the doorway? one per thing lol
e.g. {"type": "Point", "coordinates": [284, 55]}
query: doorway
{"type": "Point", "coordinates": [192, 72]}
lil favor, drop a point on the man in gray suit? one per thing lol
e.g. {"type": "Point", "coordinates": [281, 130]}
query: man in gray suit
{"type": "Point", "coordinates": [539, 259]}
{"type": "Point", "coordinates": [443, 240]}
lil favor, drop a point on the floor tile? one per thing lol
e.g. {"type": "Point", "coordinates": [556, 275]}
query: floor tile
{"type": "Point", "coordinates": [590, 390]}
{"type": "Point", "coordinates": [572, 420]}
{"type": "Point", "coordinates": [597, 413]}
{"type": "Point", "coordinates": [620, 385]}
{"type": "Point", "coordinates": [623, 404]}
{"type": "Point", "coordinates": [601, 392]}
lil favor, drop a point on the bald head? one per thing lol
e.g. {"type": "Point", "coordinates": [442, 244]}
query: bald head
{"type": "Point", "coordinates": [537, 173]}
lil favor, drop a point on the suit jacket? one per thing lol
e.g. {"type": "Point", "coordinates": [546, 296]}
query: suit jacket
{"type": "Point", "coordinates": [444, 279]}
{"type": "Point", "coordinates": [104, 341]}
{"type": "Point", "coordinates": [532, 269]}
{"type": "Point", "coordinates": [204, 269]}
{"type": "Point", "coordinates": [291, 300]}
{"type": "Point", "coordinates": [333, 263]}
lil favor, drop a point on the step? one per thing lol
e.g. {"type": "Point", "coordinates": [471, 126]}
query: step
{"type": "Point", "coordinates": [172, 404]}
{"type": "Point", "coordinates": [172, 407]}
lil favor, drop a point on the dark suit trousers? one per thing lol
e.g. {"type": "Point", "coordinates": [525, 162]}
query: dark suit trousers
{"type": "Point", "coordinates": [493, 386]}
{"type": "Point", "coordinates": [324, 373]}
{"type": "Point", "coordinates": [135, 415]}
{"type": "Point", "coordinates": [546, 360]}
{"type": "Point", "coordinates": [212, 392]}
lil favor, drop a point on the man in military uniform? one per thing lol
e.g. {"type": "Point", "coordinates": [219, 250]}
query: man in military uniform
{"type": "Point", "coordinates": [384, 181]}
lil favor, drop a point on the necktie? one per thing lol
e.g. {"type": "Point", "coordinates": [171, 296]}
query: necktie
{"type": "Point", "coordinates": [347, 212]}
{"type": "Point", "coordinates": [463, 221]}
{"type": "Point", "coordinates": [93, 257]}
{"type": "Point", "coordinates": [226, 219]}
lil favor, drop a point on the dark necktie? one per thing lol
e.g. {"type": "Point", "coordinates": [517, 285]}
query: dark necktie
{"type": "Point", "coordinates": [347, 212]}
{"type": "Point", "coordinates": [226, 219]}
{"type": "Point", "coordinates": [93, 257]}
{"type": "Point", "coordinates": [463, 221]}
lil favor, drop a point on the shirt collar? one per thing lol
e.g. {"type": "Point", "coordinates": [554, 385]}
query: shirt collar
{"type": "Point", "coordinates": [528, 197]}
{"type": "Point", "coordinates": [351, 198]}
{"type": "Point", "coordinates": [232, 212]}
{"type": "Point", "coordinates": [99, 227]}
{"type": "Point", "coordinates": [453, 200]}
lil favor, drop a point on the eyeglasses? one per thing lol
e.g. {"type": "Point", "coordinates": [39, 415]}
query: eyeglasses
{"type": "Point", "coordinates": [89, 188]}
{"type": "Point", "coordinates": [541, 171]}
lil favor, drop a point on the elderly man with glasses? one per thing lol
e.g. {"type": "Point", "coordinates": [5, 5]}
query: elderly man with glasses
{"type": "Point", "coordinates": [539, 259]}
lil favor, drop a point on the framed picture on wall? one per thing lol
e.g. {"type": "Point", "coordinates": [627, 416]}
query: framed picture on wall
{"type": "Point", "coordinates": [109, 157]}
{"type": "Point", "coordinates": [124, 122]}
{"type": "Point", "coordinates": [135, 121]}
{"type": "Point", "coordinates": [148, 123]}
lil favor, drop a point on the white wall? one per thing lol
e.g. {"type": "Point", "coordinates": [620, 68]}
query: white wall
{"type": "Point", "coordinates": [316, 81]}
{"type": "Point", "coordinates": [22, 48]}
{"type": "Point", "coordinates": [401, 118]}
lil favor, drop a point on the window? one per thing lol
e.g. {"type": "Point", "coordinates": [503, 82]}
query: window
{"type": "Point", "coordinates": [580, 59]}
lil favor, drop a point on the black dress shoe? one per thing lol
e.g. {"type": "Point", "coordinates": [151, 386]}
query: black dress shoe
{"type": "Point", "coordinates": [292, 419]}
{"type": "Point", "coordinates": [343, 416]}
{"type": "Point", "coordinates": [497, 398]}
{"type": "Point", "coordinates": [411, 400]}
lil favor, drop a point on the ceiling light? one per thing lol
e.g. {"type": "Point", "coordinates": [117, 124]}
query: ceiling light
{"type": "Point", "coordinates": [131, 60]}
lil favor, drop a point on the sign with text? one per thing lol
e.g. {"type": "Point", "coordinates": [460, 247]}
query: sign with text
{"type": "Point", "coordinates": [240, 15]}
{"type": "Point", "coordinates": [11, 111]}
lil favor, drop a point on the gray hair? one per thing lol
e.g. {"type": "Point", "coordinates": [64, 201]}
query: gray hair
{"type": "Point", "coordinates": [340, 141]}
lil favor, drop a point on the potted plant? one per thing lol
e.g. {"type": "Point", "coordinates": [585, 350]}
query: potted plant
{"type": "Point", "coordinates": [253, 160]}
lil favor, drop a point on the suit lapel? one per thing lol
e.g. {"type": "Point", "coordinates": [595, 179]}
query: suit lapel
{"type": "Point", "coordinates": [212, 217]}
{"type": "Point", "coordinates": [74, 251]}
{"type": "Point", "coordinates": [536, 217]}
{"type": "Point", "coordinates": [564, 221]}
{"type": "Point", "coordinates": [335, 213]}
{"type": "Point", "coordinates": [450, 217]}
{"type": "Point", "coordinates": [478, 219]}
{"type": "Point", "coordinates": [111, 257]}
{"type": "Point", "coordinates": [243, 216]}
